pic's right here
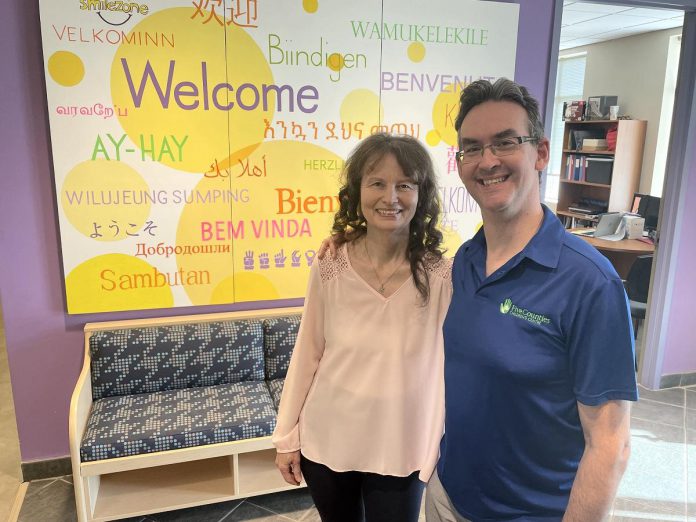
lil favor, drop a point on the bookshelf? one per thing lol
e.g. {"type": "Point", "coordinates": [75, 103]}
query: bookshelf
{"type": "Point", "coordinates": [619, 170]}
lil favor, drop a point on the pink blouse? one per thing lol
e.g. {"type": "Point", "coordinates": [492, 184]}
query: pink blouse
{"type": "Point", "coordinates": [364, 390]}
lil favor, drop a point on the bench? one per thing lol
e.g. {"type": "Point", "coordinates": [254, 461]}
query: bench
{"type": "Point", "coordinates": [177, 412]}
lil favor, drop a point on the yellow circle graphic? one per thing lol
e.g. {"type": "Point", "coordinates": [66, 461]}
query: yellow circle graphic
{"type": "Point", "coordinates": [263, 216]}
{"type": "Point", "coordinates": [416, 52]}
{"type": "Point", "coordinates": [444, 113]}
{"type": "Point", "coordinates": [245, 287]}
{"type": "Point", "coordinates": [451, 241]}
{"type": "Point", "coordinates": [66, 68]}
{"type": "Point", "coordinates": [113, 282]}
{"type": "Point", "coordinates": [177, 102]}
{"type": "Point", "coordinates": [432, 138]}
{"type": "Point", "coordinates": [362, 109]}
{"type": "Point", "coordinates": [106, 200]}
{"type": "Point", "coordinates": [335, 61]}
{"type": "Point", "coordinates": [310, 6]}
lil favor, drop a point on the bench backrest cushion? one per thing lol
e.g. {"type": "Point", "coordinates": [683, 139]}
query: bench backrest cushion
{"type": "Point", "coordinates": [279, 336]}
{"type": "Point", "coordinates": [144, 360]}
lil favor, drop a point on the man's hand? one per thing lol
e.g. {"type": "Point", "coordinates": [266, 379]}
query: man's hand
{"type": "Point", "coordinates": [331, 244]}
{"type": "Point", "coordinates": [289, 466]}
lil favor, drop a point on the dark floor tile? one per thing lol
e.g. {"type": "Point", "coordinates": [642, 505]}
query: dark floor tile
{"type": "Point", "coordinates": [293, 504]}
{"type": "Point", "coordinates": [209, 513]}
{"type": "Point", "coordinates": [690, 399]}
{"type": "Point", "coordinates": [670, 381]}
{"type": "Point", "coordinates": [53, 503]}
{"type": "Point", "coordinates": [311, 516]}
{"type": "Point", "coordinates": [658, 412]}
{"type": "Point", "coordinates": [37, 485]}
{"type": "Point", "coordinates": [247, 512]}
{"type": "Point", "coordinates": [46, 469]}
{"type": "Point", "coordinates": [688, 379]}
{"type": "Point", "coordinates": [673, 396]}
{"type": "Point", "coordinates": [690, 420]}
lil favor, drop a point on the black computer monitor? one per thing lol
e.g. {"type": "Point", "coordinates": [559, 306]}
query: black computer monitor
{"type": "Point", "coordinates": [648, 207]}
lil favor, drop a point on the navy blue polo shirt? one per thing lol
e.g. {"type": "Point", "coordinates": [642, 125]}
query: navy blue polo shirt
{"type": "Point", "coordinates": [549, 328]}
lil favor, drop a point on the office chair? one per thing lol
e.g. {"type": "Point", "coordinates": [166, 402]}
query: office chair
{"type": "Point", "coordinates": [637, 285]}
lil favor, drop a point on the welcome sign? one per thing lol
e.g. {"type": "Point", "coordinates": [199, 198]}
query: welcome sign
{"type": "Point", "coordinates": [198, 144]}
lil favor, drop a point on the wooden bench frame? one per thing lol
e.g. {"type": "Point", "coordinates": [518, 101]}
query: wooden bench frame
{"type": "Point", "coordinates": [136, 485]}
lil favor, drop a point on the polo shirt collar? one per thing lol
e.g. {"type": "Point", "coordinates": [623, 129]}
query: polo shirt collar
{"type": "Point", "coordinates": [545, 246]}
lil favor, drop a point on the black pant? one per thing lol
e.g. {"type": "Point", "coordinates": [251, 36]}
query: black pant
{"type": "Point", "coordinates": [354, 496]}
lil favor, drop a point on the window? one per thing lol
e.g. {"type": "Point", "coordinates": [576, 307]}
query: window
{"type": "Point", "coordinates": [570, 81]}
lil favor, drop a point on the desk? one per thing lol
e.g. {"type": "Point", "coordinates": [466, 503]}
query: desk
{"type": "Point", "coordinates": [620, 253]}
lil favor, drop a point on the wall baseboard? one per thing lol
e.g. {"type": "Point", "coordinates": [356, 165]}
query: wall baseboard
{"type": "Point", "coordinates": [42, 469]}
{"type": "Point", "coordinates": [678, 379]}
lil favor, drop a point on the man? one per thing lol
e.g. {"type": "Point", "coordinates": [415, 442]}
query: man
{"type": "Point", "coordinates": [538, 340]}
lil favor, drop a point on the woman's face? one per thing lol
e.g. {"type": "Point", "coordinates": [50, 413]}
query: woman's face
{"type": "Point", "coordinates": [388, 198]}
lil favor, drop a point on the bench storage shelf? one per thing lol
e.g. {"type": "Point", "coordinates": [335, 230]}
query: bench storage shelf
{"type": "Point", "coordinates": [177, 412]}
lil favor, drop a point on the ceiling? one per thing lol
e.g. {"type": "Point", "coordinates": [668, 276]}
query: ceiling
{"type": "Point", "coordinates": [585, 23]}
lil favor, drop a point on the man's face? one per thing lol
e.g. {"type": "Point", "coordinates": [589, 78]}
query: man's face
{"type": "Point", "coordinates": [503, 186]}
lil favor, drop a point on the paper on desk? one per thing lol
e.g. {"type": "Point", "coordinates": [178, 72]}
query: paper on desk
{"type": "Point", "coordinates": [616, 236]}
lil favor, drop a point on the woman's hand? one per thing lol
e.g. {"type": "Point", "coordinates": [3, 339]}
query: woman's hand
{"type": "Point", "coordinates": [289, 466]}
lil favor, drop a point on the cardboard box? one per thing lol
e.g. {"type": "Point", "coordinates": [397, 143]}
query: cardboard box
{"type": "Point", "coordinates": [634, 226]}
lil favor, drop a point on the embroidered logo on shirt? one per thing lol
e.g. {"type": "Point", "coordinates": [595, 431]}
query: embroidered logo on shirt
{"type": "Point", "coordinates": [507, 307]}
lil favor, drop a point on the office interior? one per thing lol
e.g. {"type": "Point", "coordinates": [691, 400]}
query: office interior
{"type": "Point", "coordinates": [620, 50]}
{"type": "Point", "coordinates": [41, 346]}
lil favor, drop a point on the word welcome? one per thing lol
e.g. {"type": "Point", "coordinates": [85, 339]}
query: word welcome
{"type": "Point", "coordinates": [266, 228]}
{"type": "Point", "coordinates": [147, 146]}
{"type": "Point", "coordinates": [111, 280]}
{"type": "Point", "coordinates": [419, 33]}
{"type": "Point", "coordinates": [129, 197]}
{"type": "Point", "coordinates": [189, 95]}
{"type": "Point", "coordinates": [281, 54]}
{"type": "Point", "coordinates": [292, 202]}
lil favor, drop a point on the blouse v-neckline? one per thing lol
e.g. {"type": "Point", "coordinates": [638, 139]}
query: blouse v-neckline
{"type": "Point", "coordinates": [368, 285]}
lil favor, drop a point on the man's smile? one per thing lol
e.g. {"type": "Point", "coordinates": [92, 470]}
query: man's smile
{"type": "Point", "coordinates": [493, 181]}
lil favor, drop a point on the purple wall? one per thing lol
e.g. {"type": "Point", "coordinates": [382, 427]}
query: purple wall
{"type": "Point", "coordinates": [44, 344]}
{"type": "Point", "coordinates": [680, 355]}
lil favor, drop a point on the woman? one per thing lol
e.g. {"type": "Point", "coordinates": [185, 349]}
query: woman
{"type": "Point", "coordinates": [362, 408]}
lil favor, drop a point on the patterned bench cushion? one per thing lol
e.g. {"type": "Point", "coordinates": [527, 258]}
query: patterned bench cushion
{"type": "Point", "coordinates": [279, 336]}
{"type": "Point", "coordinates": [276, 388]}
{"type": "Point", "coordinates": [167, 420]}
{"type": "Point", "coordinates": [144, 360]}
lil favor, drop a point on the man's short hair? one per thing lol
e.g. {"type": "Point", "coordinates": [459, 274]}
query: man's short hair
{"type": "Point", "coordinates": [503, 89]}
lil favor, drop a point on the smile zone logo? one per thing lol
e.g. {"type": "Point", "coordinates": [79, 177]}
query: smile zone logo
{"type": "Point", "coordinates": [106, 8]}
{"type": "Point", "coordinates": [508, 308]}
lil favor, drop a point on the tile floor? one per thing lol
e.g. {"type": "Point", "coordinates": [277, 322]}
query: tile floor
{"type": "Point", "coordinates": [659, 484]}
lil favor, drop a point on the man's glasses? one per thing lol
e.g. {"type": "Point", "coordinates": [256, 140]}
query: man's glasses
{"type": "Point", "coordinates": [473, 152]}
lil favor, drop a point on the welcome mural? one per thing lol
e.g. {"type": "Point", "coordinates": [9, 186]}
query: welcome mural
{"type": "Point", "coordinates": [197, 145]}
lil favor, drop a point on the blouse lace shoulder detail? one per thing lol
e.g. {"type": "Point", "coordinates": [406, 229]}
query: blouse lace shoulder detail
{"type": "Point", "coordinates": [439, 267]}
{"type": "Point", "coordinates": [331, 268]}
